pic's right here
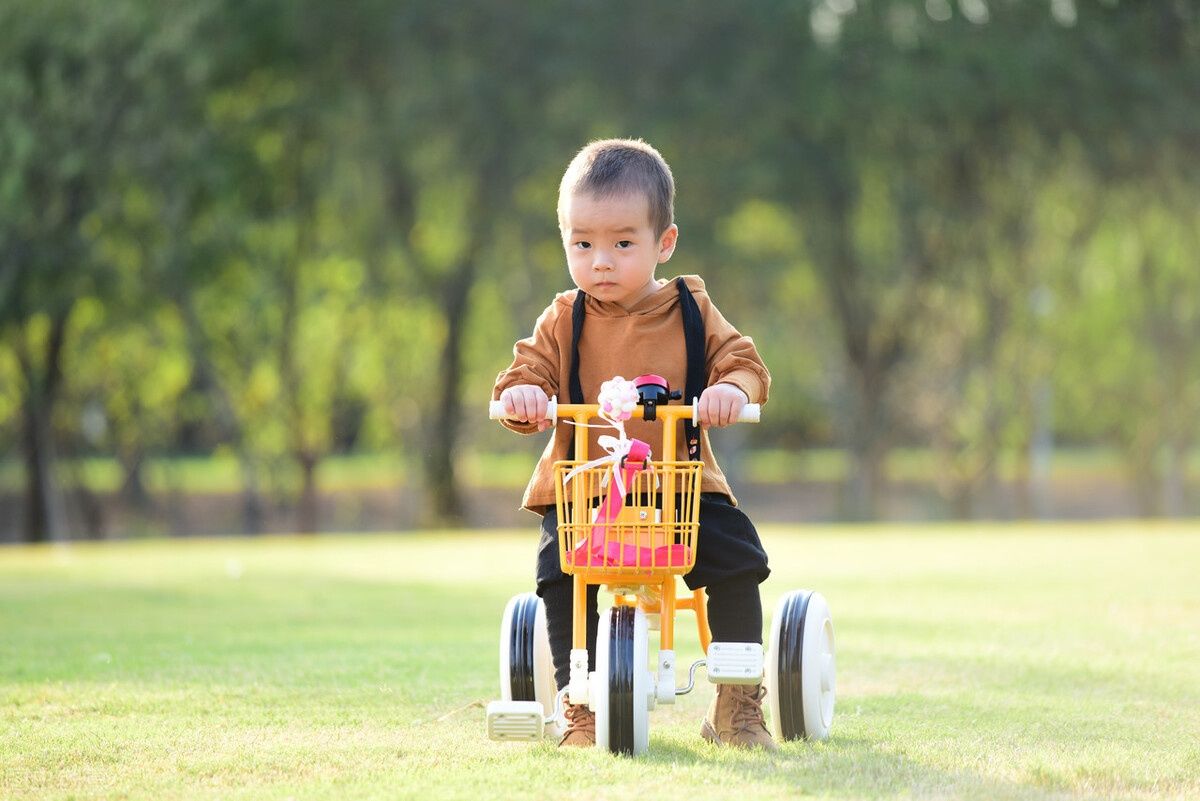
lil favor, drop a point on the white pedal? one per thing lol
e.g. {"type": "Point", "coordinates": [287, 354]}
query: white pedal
{"type": "Point", "coordinates": [735, 663]}
{"type": "Point", "coordinates": [516, 721]}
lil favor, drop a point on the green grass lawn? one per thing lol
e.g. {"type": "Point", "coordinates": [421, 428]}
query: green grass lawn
{"type": "Point", "coordinates": [987, 662]}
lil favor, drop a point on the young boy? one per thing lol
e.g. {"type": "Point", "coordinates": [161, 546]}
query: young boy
{"type": "Point", "coordinates": [615, 212]}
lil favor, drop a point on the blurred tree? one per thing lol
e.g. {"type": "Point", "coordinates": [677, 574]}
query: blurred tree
{"type": "Point", "coordinates": [171, 218]}
{"type": "Point", "coordinates": [879, 160]}
{"type": "Point", "coordinates": [914, 131]}
{"type": "Point", "coordinates": [456, 134]}
{"type": "Point", "coordinates": [291, 363]}
{"type": "Point", "coordinates": [70, 83]}
{"type": "Point", "coordinates": [288, 220]}
{"type": "Point", "coordinates": [1130, 365]}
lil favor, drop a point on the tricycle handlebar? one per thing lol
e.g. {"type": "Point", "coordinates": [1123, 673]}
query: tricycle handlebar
{"type": "Point", "coordinates": [750, 412]}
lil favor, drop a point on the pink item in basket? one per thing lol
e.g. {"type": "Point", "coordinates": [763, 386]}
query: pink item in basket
{"type": "Point", "coordinates": [614, 554]}
{"type": "Point", "coordinates": [597, 551]}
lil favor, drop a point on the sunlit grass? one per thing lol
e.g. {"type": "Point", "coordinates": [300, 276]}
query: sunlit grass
{"type": "Point", "coordinates": [986, 662]}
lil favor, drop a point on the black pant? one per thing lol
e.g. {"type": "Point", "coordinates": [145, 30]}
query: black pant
{"type": "Point", "coordinates": [730, 563]}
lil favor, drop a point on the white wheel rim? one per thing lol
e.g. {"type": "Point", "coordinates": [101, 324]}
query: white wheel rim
{"type": "Point", "coordinates": [545, 688]}
{"type": "Point", "coordinates": [598, 689]}
{"type": "Point", "coordinates": [505, 649]}
{"type": "Point", "coordinates": [642, 684]}
{"type": "Point", "coordinates": [772, 677]}
{"type": "Point", "coordinates": [819, 669]}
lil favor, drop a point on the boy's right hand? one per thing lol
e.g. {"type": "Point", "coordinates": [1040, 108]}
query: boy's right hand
{"type": "Point", "coordinates": [527, 403]}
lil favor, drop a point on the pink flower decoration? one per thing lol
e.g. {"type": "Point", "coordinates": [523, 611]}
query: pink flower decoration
{"type": "Point", "coordinates": [618, 398]}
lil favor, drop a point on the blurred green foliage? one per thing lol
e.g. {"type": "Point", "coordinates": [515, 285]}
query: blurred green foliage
{"type": "Point", "coordinates": [286, 230]}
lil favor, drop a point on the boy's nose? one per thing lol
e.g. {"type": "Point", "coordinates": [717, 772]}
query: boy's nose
{"type": "Point", "coordinates": [601, 261]}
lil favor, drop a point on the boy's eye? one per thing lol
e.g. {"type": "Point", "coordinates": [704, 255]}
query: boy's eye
{"type": "Point", "coordinates": [624, 243]}
{"type": "Point", "coordinates": [583, 245]}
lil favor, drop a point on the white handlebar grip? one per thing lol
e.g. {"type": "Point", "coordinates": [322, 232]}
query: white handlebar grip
{"type": "Point", "coordinates": [496, 410]}
{"type": "Point", "coordinates": [750, 413]}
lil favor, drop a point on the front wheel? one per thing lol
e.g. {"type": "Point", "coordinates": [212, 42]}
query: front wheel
{"type": "Point", "coordinates": [801, 670]}
{"type": "Point", "coordinates": [621, 692]}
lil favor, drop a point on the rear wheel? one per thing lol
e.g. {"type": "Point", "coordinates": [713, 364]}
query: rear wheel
{"type": "Point", "coordinates": [621, 692]}
{"type": "Point", "coordinates": [801, 669]}
{"type": "Point", "coordinates": [526, 669]}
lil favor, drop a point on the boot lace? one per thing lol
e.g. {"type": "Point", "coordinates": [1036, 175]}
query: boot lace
{"type": "Point", "coordinates": [747, 712]}
{"type": "Point", "coordinates": [579, 717]}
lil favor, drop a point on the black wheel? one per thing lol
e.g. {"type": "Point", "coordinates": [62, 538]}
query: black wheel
{"type": "Point", "coordinates": [620, 697]}
{"type": "Point", "coordinates": [526, 669]}
{"type": "Point", "coordinates": [801, 670]}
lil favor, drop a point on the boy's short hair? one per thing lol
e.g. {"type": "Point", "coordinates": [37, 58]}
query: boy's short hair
{"type": "Point", "coordinates": [609, 167]}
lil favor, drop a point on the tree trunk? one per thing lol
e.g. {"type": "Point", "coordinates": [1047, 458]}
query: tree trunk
{"type": "Point", "coordinates": [254, 512]}
{"type": "Point", "coordinates": [1145, 476]}
{"type": "Point", "coordinates": [308, 514]}
{"type": "Point", "coordinates": [962, 500]}
{"type": "Point", "coordinates": [45, 507]}
{"type": "Point", "coordinates": [133, 485]}
{"type": "Point", "coordinates": [1041, 450]}
{"type": "Point", "coordinates": [865, 483]}
{"type": "Point", "coordinates": [225, 417]}
{"type": "Point", "coordinates": [874, 345]}
{"type": "Point", "coordinates": [1175, 480]}
{"type": "Point", "coordinates": [441, 476]}
{"type": "Point", "coordinates": [45, 504]}
{"type": "Point", "coordinates": [991, 506]}
{"type": "Point", "coordinates": [1022, 481]}
{"type": "Point", "coordinates": [868, 447]}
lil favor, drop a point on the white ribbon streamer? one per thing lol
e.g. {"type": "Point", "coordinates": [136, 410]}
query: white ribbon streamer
{"type": "Point", "coordinates": [618, 449]}
{"type": "Point", "coordinates": [617, 400]}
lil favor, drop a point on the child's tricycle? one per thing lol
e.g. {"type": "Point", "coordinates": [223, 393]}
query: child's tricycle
{"type": "Point", "coordinates": [631, 522]}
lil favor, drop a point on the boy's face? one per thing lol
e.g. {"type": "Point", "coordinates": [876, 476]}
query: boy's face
{"type": "Point", "coordinates": [612, 250]}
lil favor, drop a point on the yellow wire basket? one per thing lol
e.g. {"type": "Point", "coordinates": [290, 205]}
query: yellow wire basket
{"type": "Point", "coordinates": [650, 530]}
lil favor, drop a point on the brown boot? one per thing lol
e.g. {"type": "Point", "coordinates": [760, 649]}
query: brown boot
{"type": "Point", "coordinates": [735, 718]}
{"type": "Point", "coordinates": [581, 726]}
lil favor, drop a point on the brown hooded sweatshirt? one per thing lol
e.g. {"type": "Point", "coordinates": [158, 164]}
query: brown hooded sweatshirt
{"type": "Point", "coordinates": [647, 338]}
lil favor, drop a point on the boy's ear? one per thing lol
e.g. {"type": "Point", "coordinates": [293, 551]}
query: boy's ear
{"type": "Point", "coordinates": [666, 243]}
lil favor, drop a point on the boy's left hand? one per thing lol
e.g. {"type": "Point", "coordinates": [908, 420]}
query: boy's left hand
{"type": "Point", "coordinates": [720, 405]}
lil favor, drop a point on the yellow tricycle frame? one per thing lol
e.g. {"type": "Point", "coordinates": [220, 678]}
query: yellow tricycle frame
{"type": "Point", "coordinates": [663, 511]}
